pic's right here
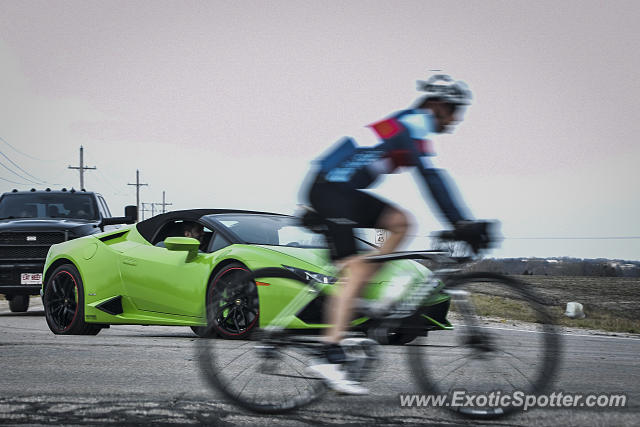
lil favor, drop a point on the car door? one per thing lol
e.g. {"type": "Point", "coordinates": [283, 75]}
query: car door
{"type": "Point", "coordinates": [162, 281]}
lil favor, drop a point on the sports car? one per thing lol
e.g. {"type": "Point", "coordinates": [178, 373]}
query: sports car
{"type": "Point", "coordinates": [149, 273]}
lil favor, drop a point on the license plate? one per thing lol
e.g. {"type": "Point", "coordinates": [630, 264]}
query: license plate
{"type": "Point", "coordinates": [31, 278]}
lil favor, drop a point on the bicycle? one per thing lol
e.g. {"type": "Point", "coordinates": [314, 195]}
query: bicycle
{"type": "Point", "coordinates": [267, 374]}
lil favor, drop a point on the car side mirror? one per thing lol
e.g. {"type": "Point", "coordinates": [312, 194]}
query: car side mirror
{"type": "Point", "coordinates": [188, 244]}
{"type": "Point", "coordinates": [130, 217]}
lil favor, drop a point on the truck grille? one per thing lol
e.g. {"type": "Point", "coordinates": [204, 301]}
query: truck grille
{"type": "Point", "coordinates": [28, 245]}
{"type": "Point", "coordinates": [24, 238]}
{"type": "Point", "coordinates": [23, 252]}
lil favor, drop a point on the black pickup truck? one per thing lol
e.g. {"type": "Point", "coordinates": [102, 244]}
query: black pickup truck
{"type": "Point", "coordinates": [32, 221]}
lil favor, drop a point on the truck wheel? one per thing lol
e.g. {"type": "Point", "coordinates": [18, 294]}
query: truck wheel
{"type": "Point", "coordinates": [19, 303]}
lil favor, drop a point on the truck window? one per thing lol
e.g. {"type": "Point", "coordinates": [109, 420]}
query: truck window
{"type": "Point", "coordinates": [54, 205]}
{"type": "Point", "coordinates": [106, 213]}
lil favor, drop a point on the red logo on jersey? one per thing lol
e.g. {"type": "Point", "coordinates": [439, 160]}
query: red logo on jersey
{"type": "Point", "coordinates": [387, 128]}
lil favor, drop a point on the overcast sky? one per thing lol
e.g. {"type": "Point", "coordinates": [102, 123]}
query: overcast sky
{"type": "Point", "coordinates": [224, 104]}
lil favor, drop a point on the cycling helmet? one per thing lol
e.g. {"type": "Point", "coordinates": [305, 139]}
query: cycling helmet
{"type": "Point", "coordinates": [443, 87]}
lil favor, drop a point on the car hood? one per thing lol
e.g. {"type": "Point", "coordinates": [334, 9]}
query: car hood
{"type": "Point", "coordinates": [320, 258]}
{"type": "Point", "coordinates": [43, 224]}
{"type": "Point", "coordinates": [316, 256]}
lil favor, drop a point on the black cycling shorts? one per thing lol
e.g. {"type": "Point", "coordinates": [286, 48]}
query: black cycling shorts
{"type": "Point", "coordinates": [346, 208]}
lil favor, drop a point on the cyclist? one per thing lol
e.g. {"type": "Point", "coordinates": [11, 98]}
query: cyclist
{"type": "Point", "coordinates": [402, 139]}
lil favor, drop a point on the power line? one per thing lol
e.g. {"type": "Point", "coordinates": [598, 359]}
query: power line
{"type": "Point", "coordinates": [17, 174]}
{"type": "Point", "coordinates": [39, 181]}
{"type": "Point", "coordinates": [24, 154]}
{"type": "Point", "coordinates": [553, 238]}
{"type": "Point", "coordinates": [576, 238]}
{"type": "Point", "coordinates": [13, 182]}
{"type": "Point", "coordinates": [152, 210]}
{"type": "Point", "coordinates": [108, 181]}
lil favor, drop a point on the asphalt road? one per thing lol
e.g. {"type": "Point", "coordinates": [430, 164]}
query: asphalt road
{"type": "Point", "coordinates": [149, 375]}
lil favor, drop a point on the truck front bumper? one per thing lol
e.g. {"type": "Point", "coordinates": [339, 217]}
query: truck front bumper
{"type": "Point", "coordinates": [10, 278]}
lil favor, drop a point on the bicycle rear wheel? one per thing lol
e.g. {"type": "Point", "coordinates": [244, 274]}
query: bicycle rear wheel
{"type": "Point", "coordinates": [487, 361]}
{"type": "Point", "coordinates": [268, 373]}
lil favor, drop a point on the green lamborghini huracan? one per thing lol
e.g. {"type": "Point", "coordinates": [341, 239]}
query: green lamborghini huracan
{"type": "Point", "coordinates": [149, 273]}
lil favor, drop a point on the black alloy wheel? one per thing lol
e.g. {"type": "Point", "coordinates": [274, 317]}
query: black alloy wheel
{"type": "Point", "coordinates": [64, 303]}
{"type": "Point", "coordinates": [232, 303]}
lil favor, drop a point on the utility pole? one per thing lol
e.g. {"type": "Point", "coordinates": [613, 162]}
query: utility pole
{"type": "Point", "coordinates": [164, 204]}
{"type": "Point", "coordinates": [81, 168]}
{"type": "Point", "coordinates": [138, 185]}
{"type": "Point", "coordinates": [144, 209]}
{"type": "Point", "coordinates": [159, 212]}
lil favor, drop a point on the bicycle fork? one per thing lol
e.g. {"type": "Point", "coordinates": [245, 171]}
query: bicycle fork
{"type": "Point", "coordinates": [477, 339]}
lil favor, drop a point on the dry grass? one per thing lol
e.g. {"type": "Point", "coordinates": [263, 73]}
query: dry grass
{"type": "Point", "coordinates": [603, 313]}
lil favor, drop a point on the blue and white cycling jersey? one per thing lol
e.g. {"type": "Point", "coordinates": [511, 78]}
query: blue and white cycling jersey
{"type": "Point", "coordinates": [404, 139]}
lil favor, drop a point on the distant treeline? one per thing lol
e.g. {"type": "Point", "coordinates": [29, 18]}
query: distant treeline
{"type": "Point", "coordinates": [560, 267]}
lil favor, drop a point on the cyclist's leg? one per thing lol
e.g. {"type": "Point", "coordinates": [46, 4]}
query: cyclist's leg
{"type": "Point", "coordinates": [357, 272]}
{"type": "Point", "coordinates": [347, 208]}
{"type": "Point", "coordinates": [397, 223]}
{"type": "Point", "coordinates": [336, 203]}
{"type": "Point", "coordinates": [339, 203]}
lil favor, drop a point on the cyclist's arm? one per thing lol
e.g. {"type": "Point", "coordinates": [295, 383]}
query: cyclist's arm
{"type": "Point", "coordinates": [442, 191]}
{"type": "Point", "coordinates": [434, 181]}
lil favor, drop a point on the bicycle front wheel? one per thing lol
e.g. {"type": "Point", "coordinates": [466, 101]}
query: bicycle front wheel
{"type": "Point", "coordinates": [266, 374]}
{"type": "Point", "coordinates": [502, 348]}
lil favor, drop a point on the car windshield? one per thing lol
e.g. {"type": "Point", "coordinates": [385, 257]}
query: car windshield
{"type": "Point", "coordinates": [273, 230]}
{"type": "Point", "coordinates": [54, 205]}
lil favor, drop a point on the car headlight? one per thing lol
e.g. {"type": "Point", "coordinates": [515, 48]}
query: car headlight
{"type": "Point", "coordinates": [311, 275]}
